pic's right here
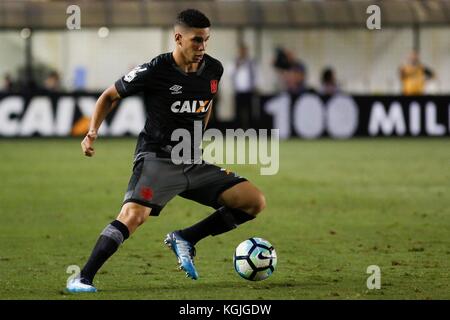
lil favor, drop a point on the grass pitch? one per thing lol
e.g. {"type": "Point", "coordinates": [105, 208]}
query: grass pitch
{"type": "Point", "coordinates": [334, 208]}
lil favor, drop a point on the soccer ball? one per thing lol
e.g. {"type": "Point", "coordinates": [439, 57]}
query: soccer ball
{"type": "Point", "coordinates": [255, 259]}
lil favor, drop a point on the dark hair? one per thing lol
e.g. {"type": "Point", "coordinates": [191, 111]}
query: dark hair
{"type": "Point", "coordinates": [328, 75]}
{"type": "Point", "coordinates": [281, 60]}
{"type": "Point", "coordinates": [192, 18]}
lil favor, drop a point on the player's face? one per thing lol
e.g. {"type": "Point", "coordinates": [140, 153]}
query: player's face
{"type": "Point", "coordinates": [193, 44]}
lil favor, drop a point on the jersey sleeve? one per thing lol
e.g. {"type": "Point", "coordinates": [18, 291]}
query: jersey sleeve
{"type": "Point", "coordinates": [220, 71]}
{"type": "Point", "coordinates": [134, 81]}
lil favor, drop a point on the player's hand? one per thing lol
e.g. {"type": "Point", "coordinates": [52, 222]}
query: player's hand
{"type": "Point", "coordinates": [88, 143]}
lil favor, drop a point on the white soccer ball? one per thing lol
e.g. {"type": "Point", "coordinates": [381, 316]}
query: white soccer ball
{"type": "Point", "coordinates": [255, 259]}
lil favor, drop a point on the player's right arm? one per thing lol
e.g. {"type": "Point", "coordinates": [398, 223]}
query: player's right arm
{"type": "Point", "coordinates": [105, 103]}
{"type": "Point", "coordinates": [133, 82]}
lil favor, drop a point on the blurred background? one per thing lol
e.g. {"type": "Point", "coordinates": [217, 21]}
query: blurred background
{"type": "Point", "coordinates": [267, 48]}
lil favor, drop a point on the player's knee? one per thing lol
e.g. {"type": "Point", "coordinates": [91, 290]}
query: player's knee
{"type": "Point", "coordinates": [132, 217]}
{"type": "Point", "coordinates": [139, 218]}
{"type": "Point", "coordinates": [257, 205]}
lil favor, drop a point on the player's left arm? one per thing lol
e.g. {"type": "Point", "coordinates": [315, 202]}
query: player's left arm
{"type": "Point", "coordinates": [208, 114]}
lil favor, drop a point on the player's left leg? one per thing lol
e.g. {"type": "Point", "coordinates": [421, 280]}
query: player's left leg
{"type": "Point", "coordinates": [236, 200]}
{"type": "Point", "coordinates": [245, 197]}
{"type": "Point", "coordinates": [238, 204]}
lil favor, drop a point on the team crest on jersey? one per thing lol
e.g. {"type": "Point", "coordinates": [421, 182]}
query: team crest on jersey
{"type": "Point", "coordinates": [194, 106]}
{"type": "Point", "coordinates": [133, 73]}
{"type": "Point", "coordinates": [213, 85]}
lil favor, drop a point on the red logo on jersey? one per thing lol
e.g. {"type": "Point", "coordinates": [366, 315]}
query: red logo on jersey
{"type": "Point", "coordinates": [214, 86]}
{"type": "Point", "coordinates": [146, 193]}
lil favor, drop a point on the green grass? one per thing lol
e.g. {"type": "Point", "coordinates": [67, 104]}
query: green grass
{"type": "Point", "coordinates": [334, 208]}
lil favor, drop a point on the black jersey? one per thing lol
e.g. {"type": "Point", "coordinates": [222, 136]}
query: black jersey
{"type": "Point", "coordinates": [174, 99]}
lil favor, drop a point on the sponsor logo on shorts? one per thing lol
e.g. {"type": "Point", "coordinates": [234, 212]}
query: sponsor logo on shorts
{"type": "Point", "coordinates": [226, 171]}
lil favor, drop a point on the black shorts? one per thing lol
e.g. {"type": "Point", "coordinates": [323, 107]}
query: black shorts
{"type": "Point", "coordinates": [155, 181]}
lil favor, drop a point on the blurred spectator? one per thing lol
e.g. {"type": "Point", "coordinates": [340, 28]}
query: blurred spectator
{"type": "Point", "coordinates": [244, 75]}
{"type": "Point", "coordinates": [80, 75]}
{"type": "Point", "coordinates": [8, 84]}
{"type": "Point", "coordinates": [283, 59]}
{"type": "Point", "coordinates": [52, 82]}
{"type": "Point", "coordinates": [328, 82]}
{"type": "Point", "coordinates": [292, 71]}
{"type": "Point", "coordinates": [413, 75]}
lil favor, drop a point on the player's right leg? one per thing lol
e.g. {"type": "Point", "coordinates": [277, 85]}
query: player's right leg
{"type": "Point", "coordinates": [153, 183]}
{"type": "Point", "coordinates": [129, 219]}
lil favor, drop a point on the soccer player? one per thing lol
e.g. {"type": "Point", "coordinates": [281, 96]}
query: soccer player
{"type": "Point", "coordinates": [179, 88]}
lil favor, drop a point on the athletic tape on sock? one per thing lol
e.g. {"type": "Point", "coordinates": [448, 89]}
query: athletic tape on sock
{"type": "Point", "coordinates": [112, 232]}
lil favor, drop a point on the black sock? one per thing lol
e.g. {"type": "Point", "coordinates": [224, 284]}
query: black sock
{"type": "Point", "coordinates": [108, 243]}
{"type": "Point", "coordinates": [221, 221]}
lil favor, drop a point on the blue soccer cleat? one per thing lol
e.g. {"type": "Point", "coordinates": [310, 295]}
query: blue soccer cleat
{"type": "Point", "coordinates": [77, 285]}
{"type": "Point", "coordinates": [185, 253]}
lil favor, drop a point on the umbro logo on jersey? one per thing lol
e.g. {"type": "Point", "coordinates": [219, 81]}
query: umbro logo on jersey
{"type": "Point", "coordinates": [176, 89]}
{"type": "Point", "coordinates": [194, 106]}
